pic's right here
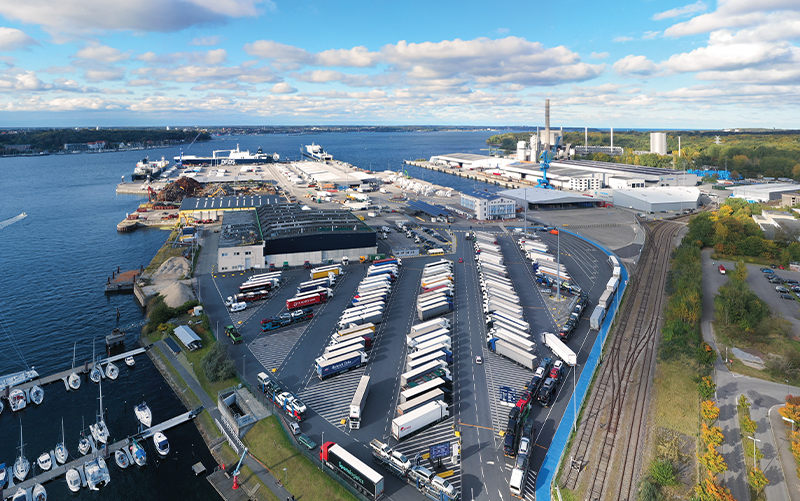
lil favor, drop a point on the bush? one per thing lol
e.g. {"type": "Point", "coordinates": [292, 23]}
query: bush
{"type": "Point", "coordinates": [216, 364]}
{"type": "Point", "coordinates": [706, 354]}
{"type": "Point", "coordinates": [649, 491]}
{"type": "Point", "coordinates": [662, 473]}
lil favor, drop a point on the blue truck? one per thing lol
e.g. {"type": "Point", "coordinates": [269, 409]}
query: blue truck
{"type": "Point", "coordinates": [328, 368]}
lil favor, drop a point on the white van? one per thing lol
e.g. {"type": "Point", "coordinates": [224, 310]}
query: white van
{"type": "Point", "coordinates": [238, 306]}
{"type": "Point", "coordinates": [516, 483]}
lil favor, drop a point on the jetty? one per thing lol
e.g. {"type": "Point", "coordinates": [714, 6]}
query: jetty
{"type": "Point", "coordinates": [85, 369]}
{"type": "Point", "coordinates": [106, 451]}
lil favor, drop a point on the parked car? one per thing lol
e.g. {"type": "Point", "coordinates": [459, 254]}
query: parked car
{"type": "Point", "coordinates": [295, 428]}
{"type": "Point", "coordinates": [307, 442]}
{"type": "Point", "coordinates": [766, 270]}
{"type": "Point", "coordinates": [787, 296]}
{"type": "Point", "coordinates": [781, 289]}
{"type": "Point", "coordinates": [721, 270]}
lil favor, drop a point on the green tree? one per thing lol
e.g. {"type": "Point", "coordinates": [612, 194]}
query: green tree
{"type": "Point", "coordinates": [757, 479]}
{"type": "Point", "coordinates": [739, 272]}
{"type": "Point", "coordinates": [662, 473]}
{"type": "Point", "coordinates": [216, 364]}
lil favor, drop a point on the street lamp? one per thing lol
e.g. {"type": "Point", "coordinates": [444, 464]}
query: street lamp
{"type": "Point", "coordinates": [754, 450]}
{"type": "Point", "coordinates": [284, 477]}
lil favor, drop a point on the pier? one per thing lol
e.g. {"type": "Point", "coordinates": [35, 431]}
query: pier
{"type": "Point", "coordinates": [85, 369]}
{"type": "Point", "coordinates": [107, 454]}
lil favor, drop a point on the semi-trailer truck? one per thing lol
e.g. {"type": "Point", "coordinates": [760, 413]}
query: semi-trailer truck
{"type": "Point", "coordinates": [559, 349]}
{"type": "Point", "coordinates": [303, 301]}
{"type": "Point", "coordinates": [374, 317]}
{"type": "Point", "coordinates": [357, 474]}
{"type": "Point", "coordinates": [431, 325]}
{"type": "Point", "coordinates": [414, 355]}
{"type": "Point", "coordinates": [436, 356]}
{"type": "Point", "coordinates": [598, 315]}
{"type": "Point", "coordinates": [419, 418]}
{"type": "Point", "coordinates": [514, 353]}
{"type": "Point", "coordinates": [434, 310]}
{"type": "Point", "coordinates": [431, 396]}
{"type": "Point", "coordinates": [323, 272]}
{"type": "Point", "coordinates": [443, 339]}
{"type": "Point", "coordinates": [328, 368]}
{"type": "Point", "coordinates": [419, 390]}
{"type": "Point", "coordinates": [358, 402]}
{"type": "Point", "coordinates": [343, 333]}
{"type": "Point", "coordinates": [415, 338]}
{"type": "Point", "coordinates": [523, 342]}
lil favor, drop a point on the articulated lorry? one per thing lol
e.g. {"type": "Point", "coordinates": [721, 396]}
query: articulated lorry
{"type": "Point", "coordinates": [323, 272]}
{"type": "Point", "coordinates": [559, 349]}
{"type": "Point", "coordinates": [598, 315]}
{"type": "Point", "coordinates": [513, 352]}
{"type": "Point", "coordinates": [416, 338]}
{"type": "Point", "coordinates": [352, 470]}
{"type": "Point", "coordinates": [328, 368]}
{"type": "Point", "coordinates": [358, 402]}
{"type": "Point", "coordinates": [419, 418]}
{"type": "Point", "coordinates": [303, 301]}
{"type": "Point", "coordinates": [434, 310]}
{"type": "Point", "coordinates": [373, 317]}
{"type": "Point", "coordinates": [431, 396]}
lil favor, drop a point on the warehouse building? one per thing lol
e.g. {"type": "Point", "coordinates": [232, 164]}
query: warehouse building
{"type": "Point", "coordinates": [334, 174]}
{"type": "Point", "coordinates": [544, 199]}
{"type": "Point", "coordinates": [761, 193]}
{"type": "Point", "coordinates": [287, 235]}
{"type": "Point", "coordinates": [653, 200]}
{"type": "Point", "coordinates": [212, 208]}
{"type": "Point", "coordinates": [470, 161]}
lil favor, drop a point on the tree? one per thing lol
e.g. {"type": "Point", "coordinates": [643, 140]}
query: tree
{"type": "Point", "coordinates": [791, 410]}
{"type": "Point", "coordinates": [757, 479]}
{"type": "Point", "coordinates": [709, 410]}
{"type": "Point", "coordinates": [713, 461]}
{"type": "Point", "coordinates": [709, 491]}
{"type": "Point", "coordinates": [216, 364]}
{"type": "Point", "coordinates": [662, 472]}
{"type": "Point", "coordinates": [748, 425]}
{"type": "Point", "coordinates": [707, 387]}
{"type": "Point", "coordinates": [712, 436]}
{"type": "Point", "coordinates": [739, 272]}
{"type": "Point", "coordinates": [649, 491]}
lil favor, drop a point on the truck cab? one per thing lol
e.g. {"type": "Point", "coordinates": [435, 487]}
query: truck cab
{"type": "Point", "coordinates": [232, 333]}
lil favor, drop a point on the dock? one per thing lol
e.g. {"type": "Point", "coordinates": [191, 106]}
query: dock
{"type": "Point", "coordinates": [107, 452]}
{"type": "Point", "coordinates": [122, 281]}
{"type": "Point", "coordinates": [222, 482]}
{"type": "Point", "coordinates": [85, 369]}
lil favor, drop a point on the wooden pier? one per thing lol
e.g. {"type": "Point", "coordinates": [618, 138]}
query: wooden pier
{"type": "Point", "coordinates": [84, 369]}
{"type": "Point", "coordinates": [107, 454]}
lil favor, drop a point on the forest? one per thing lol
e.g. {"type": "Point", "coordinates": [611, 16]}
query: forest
{"type": "Point", "coordinates": [53, 140]}
{"type": "Point", "coordinates": [748, 154]}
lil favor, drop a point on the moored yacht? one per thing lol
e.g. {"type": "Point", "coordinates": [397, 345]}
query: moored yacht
{"type": "Point", "coordinates": [112, 371]}
{"type": "Point", "coordinates": [61, 449]}
{"type": "Point", "coordinates": [161, 443]}
{"type": "Point", "coordinates": [99, 429]}
{"type": "Point", "coordinates": [39, 493]}
{"type": "Point", "coordinates": [143, 414]}
{"type": "Point", "coordinates": [44, 461]}
{"type": "Point", "coordinates": [21, 466]}
{"type": "Point", "coordinates": [73, 480]}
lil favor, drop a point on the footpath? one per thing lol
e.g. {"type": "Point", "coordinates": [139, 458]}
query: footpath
{"type": "Point", "coordinates": [211, 406]}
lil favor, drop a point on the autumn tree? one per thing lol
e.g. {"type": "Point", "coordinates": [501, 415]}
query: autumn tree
{"type": "Point", "coordinates": [713, 461]}
{"type": "Point", "coordinates": [791, 410]}
{"type": "Point", "coordinates": [757, 479]}
{"type": "Point", "coordinates": [707, 387]}
{"type": "Point", "coordinates": [709, 410]}
{"type": "Point", "coordinates": [712, 436]}
{"type": "Point", "coordinates": [710, 491]}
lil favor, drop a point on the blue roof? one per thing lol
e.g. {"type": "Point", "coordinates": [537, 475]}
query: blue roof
{"type": "Point", "coordinates": [429, 209]}
{"type": "Point", "coordinates": [483, 194]}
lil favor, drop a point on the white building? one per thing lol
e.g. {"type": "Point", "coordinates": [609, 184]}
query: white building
{"type": "Point", "coordinates": [584, 183]}
{"type": "Point", "coordinates": [488, 206]}
{"type": "Point", "coordinates": [760, 193]}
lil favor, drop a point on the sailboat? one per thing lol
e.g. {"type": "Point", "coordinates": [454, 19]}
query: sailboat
{"type": "Point", "coordinates": [61, 449]}
{"type": "Point", "coordinates": [143, 414]}
{"type": "Point", "coordinates": [112, 371]}
{"type": "Point", "coordinates": [99, 430]}
{"type": "Point", "coordinates": [74, 380]}
{"type": "Point", "coordinates": [83, 444]}
{"type": "Point", "coordinates": [21, 466]}
{"type": "Point", "coordinates": [96, 373]}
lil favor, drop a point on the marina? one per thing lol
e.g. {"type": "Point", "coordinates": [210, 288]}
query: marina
{"type": "Point", "coordinates": [104, 452]}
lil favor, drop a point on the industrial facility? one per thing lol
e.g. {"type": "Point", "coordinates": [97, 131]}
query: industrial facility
{"type": "Point", "coordinates": [760, 193]}
{"type": "Point", "coordinates": [212, 208]}
{"type": "Point", "coordinates": [333, 174]}
{"type": "Point", "coordinates": [290, 235]}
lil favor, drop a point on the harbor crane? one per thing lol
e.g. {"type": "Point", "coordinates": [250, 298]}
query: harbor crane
{"type": "Point", "coordinates": [236, 471]}
{"type": "Point", "coordinates": [544, 163]}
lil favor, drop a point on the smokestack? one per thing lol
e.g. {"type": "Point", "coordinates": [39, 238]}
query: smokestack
{"type": "Point", "coordinates": [612, 140]}
{"type": "Point", "coordinates": [586, 136]}
{"type": "Point", "coordinates": [547, 124]}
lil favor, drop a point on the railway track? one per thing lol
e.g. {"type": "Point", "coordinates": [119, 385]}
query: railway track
{"type": "Point", "coordinates": [606, 453]}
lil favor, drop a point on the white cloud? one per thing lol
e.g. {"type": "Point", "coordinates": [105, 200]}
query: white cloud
{"type": "Point", "coordinates": [76, 16]}
{"type": "Point", "coordinates": [686, 10]}
{"type": "Point", "coordinates": [649, 35]}
{"type": "Point", "coordinates": [635, 66]}
{"type": "Point", "coordinates": [210, 40]}
{"type": "Point", "coordinates": [102, 75]}
{"type": "Point", "coordinates": [598, 55]}
{"type": "Point", "coordinates": [737, 14]}
{"type": "Point", "coordinates": [622, 39]}
{"type": "Point", "coordinates": [14, 39]}
{"type": "Point", "coordinates": [101, 54]}
{"type": "Point", "coordinates": [282, 88]}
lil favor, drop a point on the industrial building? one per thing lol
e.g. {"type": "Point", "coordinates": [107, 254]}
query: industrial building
{"type": "Point", "coordinates": [334, 174]}
{"type": "Point", "coordinates": [485, 206]}
{"type": "Point", "coordinates": [790, 199]}
{"type": "Point", "coordinates": [544, 199]}
{"type": "Point", "coordinates": [761, 193]}
{"type": "Point", "coordinates": [470, 161]}
{"type": "Point", "coordinates": [653, 200]}
{"type": "Point", "coordinates": [584, 175]}
{"type": "Point", "coordinates": [287, 235]}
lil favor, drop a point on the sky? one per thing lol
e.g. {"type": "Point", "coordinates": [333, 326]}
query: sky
{"type": "Point", "coordinates": [643, 64]}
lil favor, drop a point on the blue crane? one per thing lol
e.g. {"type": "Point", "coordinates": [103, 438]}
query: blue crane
{"type": "Point", "coordinates": [544, 163]}
{"type": "Point", "coordinates": [236, 471]}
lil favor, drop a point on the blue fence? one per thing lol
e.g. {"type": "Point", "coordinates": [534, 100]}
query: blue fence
{"type": "Point", "coordinates": [557, 447]}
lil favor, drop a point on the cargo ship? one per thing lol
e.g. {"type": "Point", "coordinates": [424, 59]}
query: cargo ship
{"type": "Point", "coordinates": [146, 169]}
{"type": "Point", "coordinates": [315, 152]}
{"type": "Point", "coordinates": [227, 157]}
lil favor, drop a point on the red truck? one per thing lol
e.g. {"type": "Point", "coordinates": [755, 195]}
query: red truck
{"type": "Point", "coordinates": [303, 301]}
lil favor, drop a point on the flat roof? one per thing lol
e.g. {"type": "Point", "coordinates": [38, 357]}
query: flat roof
{"type": "Point", "coordinates": [222, 203]}
{"type": "Point", "coordinates": [659, 195]}
{"type": "Point", "coordinates": [282, 220]}
{"type": "Point", "coordinates": [482, 194]}
{"type": "Point", "coordinates": [755, 189]}
{"type": "Point", "coordinates": [544, 196]}
{"type": "Point", "coordinates": [463, 157]}
{"type": "Point", "coordinates": [240, 228]}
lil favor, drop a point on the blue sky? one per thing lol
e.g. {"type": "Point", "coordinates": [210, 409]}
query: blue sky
{"type": "Point", "coordinates": [703, 64]}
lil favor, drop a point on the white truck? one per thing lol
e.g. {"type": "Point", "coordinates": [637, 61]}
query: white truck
{"type": "Point", "coordinates": [357, 404]}
{"type": "Point", "coordinates": [559, 349]}
{"type": "Point", "coordinates": [418, 419]}
{"type": "Point", "coordinates": [440, 308]}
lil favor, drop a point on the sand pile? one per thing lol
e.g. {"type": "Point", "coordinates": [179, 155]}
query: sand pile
{"type": "Point", "coordinates": [177, 293]}
{"type": "Point", "coordinates": [174, 268]}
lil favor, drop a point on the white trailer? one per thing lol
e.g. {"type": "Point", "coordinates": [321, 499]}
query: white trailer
{"type": "Point", "coordinates": [443, 339]}
{"type": "Point", "coordinates": [598, 315]}
{"type": "Point", "coordinates": [419, 418]}
{"type": "Point", "coordinates": [501, 324]}
{"type": "Point", "coordinates": [612, 284]}
{"type": "Point", "coordinates": [357, 404]}
{"type": "Point", "coordinates": [412, 393]}
{"type": "Point", "coordinates": [559, 349]}
{"type": "Point", "coordinates": [438, 355]}
{"type": "Point", "coordinates": [437, 263]}
{"type": "Point", "coordinates": [515, 353]}
{"type": "Point", "coordinates": [420, 371]}
{"type": "Point", "coordinates": [519, 324]}
{"type": "Point", "coordinates": [490, 258]}
{"type": "Point", "coordinates": [523, 342]}
{"type": "Point", "coordinates": [500, 305]}
{"type": "Point", "coordinates": [487, 276]}
{"type": "Point", "coordinates": [605, 299]}
{"type": "Point", "coordinates": [374, 287]}
{"type": "Point", "coordinates": [344, 333]}
{"type": "Point", "coordinates": [446, 290]}
{"type": "Point", "coordinates": [494, 269]}
{"type": "Point", "coordinates": [435, 270]}
{"type": "Point", "coordinates": [432, 396]}
{"type": "Point", "coordinates": [417, 340]}
{"type": "Point", "coordinates": [485, 246]}
{"type": "Point", "coordinates": [354, 343]}
{"type": "Point", "coordinates": [415, 355]}
{"type": "Point", "coordinates": [533, 245]}
{"type": "Point", "coordinates": [441, 279]}
{"type": "Point", "coordinates": [431, 325]}
{"type": "Point", "coordinates": [441, 308]}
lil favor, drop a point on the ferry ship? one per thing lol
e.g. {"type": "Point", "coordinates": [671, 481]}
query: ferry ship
{"type": "Point", "coordinates": [228, 157]}
{"type": "Point", "coordinates": [149, 170]}
{"type": "Point", "coordinates": [316, 152]}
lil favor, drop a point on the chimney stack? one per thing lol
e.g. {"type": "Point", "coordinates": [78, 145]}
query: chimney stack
{"type": "Point", "coordinates": [547, 124]}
